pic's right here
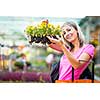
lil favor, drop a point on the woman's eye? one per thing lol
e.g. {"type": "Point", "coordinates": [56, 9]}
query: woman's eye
{"type": "Point", "coordinates": [68, 30]}
{"type": "Point", "coordinates": [64, 32]}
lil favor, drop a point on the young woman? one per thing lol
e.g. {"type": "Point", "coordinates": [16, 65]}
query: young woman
{"type": "Point", "coordinates": [76, 53]}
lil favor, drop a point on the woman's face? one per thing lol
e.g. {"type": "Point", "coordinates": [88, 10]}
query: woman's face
{"type": "Point", "coordinates": [69, 33]}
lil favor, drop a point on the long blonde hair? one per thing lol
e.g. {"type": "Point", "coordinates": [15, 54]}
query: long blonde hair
{"type": "Point", "coordinates": [80, 34]}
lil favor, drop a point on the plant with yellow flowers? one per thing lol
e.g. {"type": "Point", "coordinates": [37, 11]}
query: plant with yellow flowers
{"type": "Point", "coordinates": [95, 42]}
{"type": "Point", "coordinates": [40, 32]}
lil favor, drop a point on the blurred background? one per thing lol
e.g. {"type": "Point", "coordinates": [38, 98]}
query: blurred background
{"type": "Point", "coordinates": [23, 62]}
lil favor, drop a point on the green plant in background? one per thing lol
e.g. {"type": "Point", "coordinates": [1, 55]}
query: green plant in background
{"type": "Point", "coordinates": [40, 32]}
{"type": "Point", "coordinates": [19, 64]}
{"type": "Point", "coordinates": [97, 71]}
{"type": "Point", "coordinates": [94, 42]}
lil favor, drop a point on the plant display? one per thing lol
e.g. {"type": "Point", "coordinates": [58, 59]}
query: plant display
{"type": "Point", "coordinates": [39, 33]}
{"type": "Point", "coordinates": [20, 64]}
{"type": "Point", "coordinates": [25, 77]}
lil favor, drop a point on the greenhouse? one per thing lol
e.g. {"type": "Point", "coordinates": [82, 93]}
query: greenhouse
{"type": "Point", "coordinates": [23, 55]}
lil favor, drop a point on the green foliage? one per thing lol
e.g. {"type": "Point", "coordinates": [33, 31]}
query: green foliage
{"type": "Point", "coordinates": [97, 71]}
{"type": "Point", "coordinates": [19, 64]}
{"type": "Point", "coordinates": [43, 29]}
{"type": "Point", "coordinates": [39, 63]}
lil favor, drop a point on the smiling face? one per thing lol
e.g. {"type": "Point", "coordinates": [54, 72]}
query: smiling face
{"type": "Point", "coordinates": [69, 33]}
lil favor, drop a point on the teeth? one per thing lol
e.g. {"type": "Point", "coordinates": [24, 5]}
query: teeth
{"type": "Point", "coordinates": [69, 35]}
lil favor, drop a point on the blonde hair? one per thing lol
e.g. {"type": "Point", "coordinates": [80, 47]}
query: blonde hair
{"type": "Point", "coordinates": [78, 29]}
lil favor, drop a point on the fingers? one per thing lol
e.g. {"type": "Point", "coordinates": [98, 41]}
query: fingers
{"type": "Point", "coordinates": [58, 37]}
{"type": "Point", "coordinates": [48, 37]}
{"type": "Point", "coordinates": [52, 39]}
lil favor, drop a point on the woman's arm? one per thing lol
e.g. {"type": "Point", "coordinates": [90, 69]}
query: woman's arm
{"type": "Point", "coordinates": [74, 62]}
{"type": "Point", "coordinates": [55, 46]}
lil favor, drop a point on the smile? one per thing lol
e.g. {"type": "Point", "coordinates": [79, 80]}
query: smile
{"type": "Point", "coordinates": [69, 35]}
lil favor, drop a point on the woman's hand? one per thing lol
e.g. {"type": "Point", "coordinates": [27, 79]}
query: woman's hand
{"type": "Point", "coordinates": [56, 41]}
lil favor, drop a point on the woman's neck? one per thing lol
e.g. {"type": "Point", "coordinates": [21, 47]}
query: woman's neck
{"type": "Point", "coordinates": [76, 45]}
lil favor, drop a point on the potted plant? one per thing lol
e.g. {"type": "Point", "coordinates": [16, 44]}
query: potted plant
{"type": "Point", "coordinates": [39, 33]}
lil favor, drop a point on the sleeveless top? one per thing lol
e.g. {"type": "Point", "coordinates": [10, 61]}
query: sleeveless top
{"type": "Point", "coordinates": [65, 70]}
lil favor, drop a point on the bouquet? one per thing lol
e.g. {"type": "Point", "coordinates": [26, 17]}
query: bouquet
{"type": "Point", "coordinates": [38, 33]}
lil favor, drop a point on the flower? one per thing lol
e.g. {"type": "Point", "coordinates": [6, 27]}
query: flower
{"type": "Point", "coordinates": [38, 33]}
{"type": "Point", "coordinates": [43, 29]}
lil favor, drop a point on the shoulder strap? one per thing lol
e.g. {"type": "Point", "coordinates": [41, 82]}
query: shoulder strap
{"type": "Point", "coordinates": [72, 74]}
{"type": "Point", "coordinates": [92, 71]}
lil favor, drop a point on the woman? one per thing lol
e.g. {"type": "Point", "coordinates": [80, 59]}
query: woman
{"type": "Point", "coordinates": [76, 53]}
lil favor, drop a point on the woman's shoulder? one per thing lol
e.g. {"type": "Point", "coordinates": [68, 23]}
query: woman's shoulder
{"type": "Point", "coordinates": [88, 46]}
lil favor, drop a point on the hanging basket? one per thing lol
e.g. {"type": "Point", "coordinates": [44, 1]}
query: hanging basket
{"type": "Point", "coordinates": [39, 33]}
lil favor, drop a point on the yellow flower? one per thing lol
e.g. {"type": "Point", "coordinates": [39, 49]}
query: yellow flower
{"type": "Point", "coordinates": [42, 29]}
{"type": "Point", "coordinates": [43, 25]}
{"type": "Point", "coordinates": [58, 27]}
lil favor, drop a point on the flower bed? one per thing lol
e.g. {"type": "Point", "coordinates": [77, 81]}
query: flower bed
{"type": "Point", "coordinates": [24, 77]}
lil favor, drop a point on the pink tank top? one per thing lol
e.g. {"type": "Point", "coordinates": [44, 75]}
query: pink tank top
{"type": "Point", "coordinates": [65, 70]}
